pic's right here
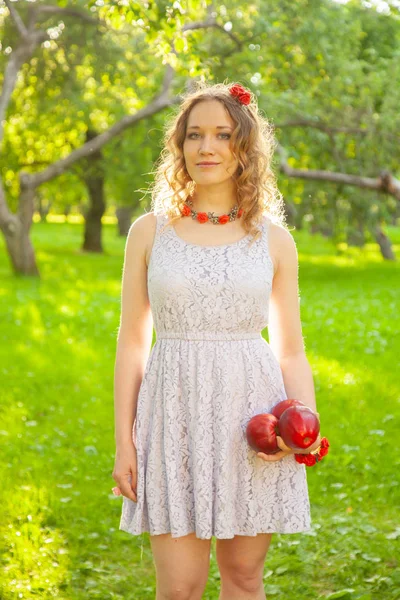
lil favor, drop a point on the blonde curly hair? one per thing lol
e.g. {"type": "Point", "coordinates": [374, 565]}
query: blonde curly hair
{"type": "Point", "coordinates": [252, 142]}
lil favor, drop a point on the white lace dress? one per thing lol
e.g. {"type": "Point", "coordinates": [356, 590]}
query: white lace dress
{"type": "Point", "coordinates": [208, 373]}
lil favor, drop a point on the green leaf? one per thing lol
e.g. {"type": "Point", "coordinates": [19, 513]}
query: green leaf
{"type": "Point", "coordinates": [179, 44]}
{"type": "Point", "coordinates": [345, 594]}
{"type": "Point", "coordinates": [281, 570]}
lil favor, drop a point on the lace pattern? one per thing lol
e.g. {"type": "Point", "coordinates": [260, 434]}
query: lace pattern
{"type": "Point", "coordinates": [208, 373]}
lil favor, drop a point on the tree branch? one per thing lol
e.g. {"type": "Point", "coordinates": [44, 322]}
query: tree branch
{"type": "Point", "coordinates": [73, 12]}
{"type": "Point", "coordinates": [30, 39]}
{"type": "Point", "coordinates": [17, 58]}
{"type": "Point", "coordinates": [386, 183]}
{"type": "Point", "coordinates": [159, 103]}
{"type": "Point", "coordinates": [17, 19]}
{"type": "Point", "coordinates": [301, 122]}
{"type": "Point", "coordinates": [8, 220]}
{"type": "Point", "coordinates": [211, 22]}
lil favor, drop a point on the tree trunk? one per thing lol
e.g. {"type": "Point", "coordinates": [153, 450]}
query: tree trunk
{"type": "Point", "coordinates": [94, 179]}
{"type": "Point", "coordinates": [124, 215]}
{"type": "Point", "coordinates": [93, 239]}
{"type": "Point", "coordinates": [15, 228]}
{"type": "Point", "coordinates": [356, 237]}
{"type": "Point", "coordinates": [384, 243]}
{"type": "Point", "coordinates": [326, 231]}
{"type": "Point", "coordinates": [43, 209]}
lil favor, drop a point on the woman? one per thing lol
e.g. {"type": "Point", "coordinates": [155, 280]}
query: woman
{"type": "Point", "coordinates": [212, 283]}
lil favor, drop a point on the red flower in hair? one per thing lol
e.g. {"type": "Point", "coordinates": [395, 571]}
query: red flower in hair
{"type": "Point", "coordinates": [240, 93]}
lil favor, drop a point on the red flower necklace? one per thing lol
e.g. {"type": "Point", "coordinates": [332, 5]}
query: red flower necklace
{"type": "Point", "coordinates": [203, 217]}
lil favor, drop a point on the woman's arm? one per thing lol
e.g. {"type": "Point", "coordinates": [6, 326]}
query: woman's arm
{"type": "Point", "coordinates": [285, 335]}
{"type": "Point", "coordinates": [298, 379]}
{"type": "Point", "coordinates": [285, 332]}
{"type": "Point", "coordinates": [135, 331]}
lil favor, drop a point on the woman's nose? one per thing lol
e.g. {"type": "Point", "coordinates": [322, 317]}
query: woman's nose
{"type": "Point", "coordinates": [206, 145]}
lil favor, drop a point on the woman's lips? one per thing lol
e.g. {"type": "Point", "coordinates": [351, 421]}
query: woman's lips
{"type": "Point", "coordinates": [207, 166]}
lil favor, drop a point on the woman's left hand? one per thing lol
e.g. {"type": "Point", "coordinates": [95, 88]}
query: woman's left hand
{"type": "Point", "coordinates": [285, 450]}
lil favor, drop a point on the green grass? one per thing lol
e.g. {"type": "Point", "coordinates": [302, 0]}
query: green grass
{"type": "Point", "coordinates": [59, 534]}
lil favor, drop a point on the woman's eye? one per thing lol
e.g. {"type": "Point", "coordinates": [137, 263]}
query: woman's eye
{"type": "Point", "coordinates": [227, 134]}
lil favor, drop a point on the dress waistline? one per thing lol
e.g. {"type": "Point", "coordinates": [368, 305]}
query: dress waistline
{"type": "Point", "coordinates": [209, 335]}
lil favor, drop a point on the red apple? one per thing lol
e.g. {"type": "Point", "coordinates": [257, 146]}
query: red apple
{"type": "Point", "coordinates": [261, 432]}
{"type": "Point", "coordinates": [283, 405]}
{"type": "Point", "coordinates": [299, 427]}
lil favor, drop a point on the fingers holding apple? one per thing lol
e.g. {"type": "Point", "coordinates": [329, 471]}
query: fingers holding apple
{"type": "Point", "coordinates": [290, 428]}
{"type": "Point", "coordinates": [272, 457]}
{"type": "Point", "coordinates": [282, 445]}
{"type": "Point", "coordinates": [284, 451]}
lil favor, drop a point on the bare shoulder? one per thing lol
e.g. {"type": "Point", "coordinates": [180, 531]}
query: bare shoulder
{"type": "Point", "coordinates": [282, 246]}
{"type": "Point", "coordinates": [142, 231]}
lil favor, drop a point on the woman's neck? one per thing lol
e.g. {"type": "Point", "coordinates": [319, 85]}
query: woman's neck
{"type": "Point", "coordinates": [212, 203]}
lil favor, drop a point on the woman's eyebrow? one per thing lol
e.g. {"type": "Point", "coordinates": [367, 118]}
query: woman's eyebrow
{"type": "Point", "coordinates": [218, 127]}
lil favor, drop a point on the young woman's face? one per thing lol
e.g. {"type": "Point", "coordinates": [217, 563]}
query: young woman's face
{"type": "Point", "coordinates": [208, 132]}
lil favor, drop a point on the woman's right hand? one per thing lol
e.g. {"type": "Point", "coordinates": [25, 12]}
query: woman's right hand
{"type": "Point", "coordinates": [125, 471]}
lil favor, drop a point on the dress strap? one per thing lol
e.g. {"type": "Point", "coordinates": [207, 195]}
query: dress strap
{"type": "Point", "coordinates": [265, 226]}
{"type": "Point", "coordinates": [161, 220]}
{"type": "Point", "coordinates": [266, 222]}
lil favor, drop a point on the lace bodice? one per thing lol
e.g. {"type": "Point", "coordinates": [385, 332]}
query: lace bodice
{"type": "Point", "coordinates": [209, 291]}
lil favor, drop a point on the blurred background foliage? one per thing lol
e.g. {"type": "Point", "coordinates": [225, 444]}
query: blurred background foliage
{"type": "Point", "coordinates": [325, 74]}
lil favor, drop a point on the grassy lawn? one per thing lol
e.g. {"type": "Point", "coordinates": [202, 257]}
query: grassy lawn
{"type": "Point", "coordinates": [59, 534]}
